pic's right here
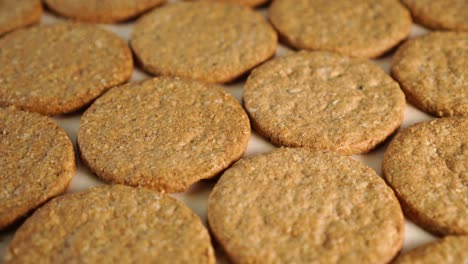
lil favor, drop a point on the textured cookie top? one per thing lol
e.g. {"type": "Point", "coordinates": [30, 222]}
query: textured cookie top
{"type": "Point", "coordinates": [323, 100]}
{"type": "Point", "coordinates": [211, 42]}
{"type": "Point", "coordinates": [18, 13]}
{"type": "Point", "coordinates": [427, 166]}
{"type": "Point", "coordinates": [112, 224]}
{"type": "Point", "coordinates": [163, 133]}
{"type": "Point", "coordinates": [362, 28]}
{"type": "Point", "coordinates": [448, 250]}
{"type": "Point", "coordinates": [36, 162]}
{"type": "Point", "coordinates": [447, 14]}
{"type": "Point", "coordinates": [433, 72]}
{"type": "Point", "coordinates": [296, 206]}
{"type": "Point", "coordinates": [60, 68]}
{"type": "Point", "coordinates": [104, 11]}
{"type": "Point", "coordinates": [250, 3]}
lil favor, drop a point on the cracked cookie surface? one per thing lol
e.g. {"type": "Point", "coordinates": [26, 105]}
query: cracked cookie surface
{"type": "Point", "coordinates": [300, 206]}
{"type": "Point", "coordinates": [16, 14]}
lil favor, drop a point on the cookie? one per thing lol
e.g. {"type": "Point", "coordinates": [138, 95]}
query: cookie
{"type": "Point", "coordinates": [426, 165]}
{"type": "Point", "coordinates": [323, 100]}
{"type": "Point", "coordinates": [250, 3]}
{"type": "Point", "coordinates": [112, 224]}
{"type": "Point", "coordinates": [37, 162]}
{"type": "Point", "coordinates": [298, 206]}
{"type": "Point", "coordinates": [211, 42]}
{"type": "Point", "coordinates": [16, 14]}
{"type": "Point", "coordinates": [448, 250]}
{"type": "Point", "coordinates": [361, 28]}
{"type": "Point", "coordinates": [102, 11]}
{"type": "Point", "coordinates": [163, 134]}
{"type": "Point", "coordinates": [60, 68]}
{"type": "Point", "coordinates": [447, 14]}
{"type": "Point", "coordinates": [433, 72]}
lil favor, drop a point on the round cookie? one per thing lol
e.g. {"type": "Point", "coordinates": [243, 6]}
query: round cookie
{"type": "Point", "coordinates": [16, 14]}
{"type": "Point", "coordinates": [323, 100]}
{"type": "Point", "coordinates": [447, 14]}
{"type": "Point", "coordinates": [426, 165]}
{"type": "Point", "coordinates": [163, 134]}
{"type": "Point", "coordinates": [211, 42]}
{"type": "Point", "coordinates": [433, 72]}
{"type": "Point", "coordinates": [112, 224]}
{"type": "Point", "coordinates": [60, 68]}
{"type": "Point", "coordinates": [361, 28]}
{"type": "Point", "coordinates": [249, 3]}
{"type": "Point", "coordinates": [448, 250]}
{"type": "Point", "coordinates": [297, 206]}
{"type": "Point", "coordinates": [102, 11]}
{"type": "Point", "coordinates": [37, 162]}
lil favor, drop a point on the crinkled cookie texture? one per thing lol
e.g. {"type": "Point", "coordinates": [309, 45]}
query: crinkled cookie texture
{"type": "Point", "coordinates": [211, 42]}
{"type": "Point", "coordinates": [427, 167]}
{"type": "Point", "coordinates": [60, 68]}
{"type": "Point", "coordinates": [448, 250]}
{"type": "Point", "coordinates": [18, 13]}
{"type": "Point", "coordinates": [433, 72]}
{"type": "Point", "coordinates": [112, 224]}
{"type": "Point", "coordinates": [250, 3]}
{"type": "Point", "coordinates": [360, 28]}
{"type": "Point", "coordinates": [37, 162]}
{"type": "Point", "coordinates": [164, 133]}
{"type": "Point", "coordinates": [297, 206]}
{"type": "Point", "coordinates": [325, 101]}
{"type": "Point", "coordinates": [446, 14]}
{"type": "Point", "coordinates": [102, 11]}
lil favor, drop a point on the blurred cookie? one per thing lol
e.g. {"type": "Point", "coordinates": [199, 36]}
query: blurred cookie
{"type": "Point", "coordinates": [297, 206]}
{"type": "Point", "coordinates": [37, 162]}
{"type": "Point", "coordinates": [18, 13]}
{"type": "Point", "coordinates": [60, 68]}
{"type": "Point", "coordinates": [102, 11]}
{"type": "Point", "coordinates": [433, 72]}
{"type": "Point", "coordinates": [426, 165]}
{"type": "Point", "coordinates": [360, 28]}
{"type": "Point", "coordinates": [112, 224]}
{"type": "Point", "coordinates": [211, 42]}
{"type": "Point", "coordinates": [323, 100]}
{"type": "Point", "coordinates": [448, 250]}
{"type": "Point", "coordinates": [163, 134]}
{"type": "Point", "coordinates": [446, 14]}
{"type": "Point", "coordinates": [250, 3]}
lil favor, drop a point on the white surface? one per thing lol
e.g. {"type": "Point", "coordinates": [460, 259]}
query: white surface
{"type": "Point", "coordinates": [196, 196]}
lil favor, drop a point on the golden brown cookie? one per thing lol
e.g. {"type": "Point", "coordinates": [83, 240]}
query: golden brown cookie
{"type": "Point", "coordinates": [211, 42]}
{"type": "Point", "coordinates": [323, 100]}
{"type": "Point", "coordinates": [433, 72]}
{"type": "Point", "coordinates": [297, 206]}
{"type": "Point", "coordinates": [448, 250]}
{"type": "Point", "coordinates": [446, 14]}
{"type": "Point", "coordinates": [37, 162]}
{"type": "Point", "coordinates": [250, 3]}
{"type": "Point", "coordinates": [18, 13]}
{"type": "Point", "coordinates": [112, 224]}
{"type": "Point", "coordinates": [361, 28]}
{"type": "Point", "coordinates": [102, 11]}
{"type": "Point", "coordinates": [60, 68]}
{"type": "Point", "coordinates": [427, 166]}
{"type": "Point", "coordinates": [164, 133]}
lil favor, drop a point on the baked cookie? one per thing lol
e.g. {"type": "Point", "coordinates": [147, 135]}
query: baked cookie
{"type": "Point", "coordinates": [112, 224]}
{"type": "Point", "coordinates": [323, 100]}
{"type": "Point", "coordinates": [102, 11]}
{"type": "Point", "coordinates": [163, 134]}
{"type": "Point", "coordinates": [18, 13]}
{"type": "Point", "coordinates": [433, 72]}
{"type": "Point", "coordinates": [361, 28]}
{"type": "Point", "coordinates": [297, 206]}
{"type": "Point", "coordinates": [250, 3]}
{"type": "Point", "coordinates": [37, 162]}
{"type": "Point", "coordinates": [448, 250]}
{"type": "Point", "coordinates": [447, 14]}
{"type": "Point", "coordinates": [60, 68]}
{"type": "Point", "coordinates": [427, 166]}
{"type": "Point", "coordinates": [211, 42]}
